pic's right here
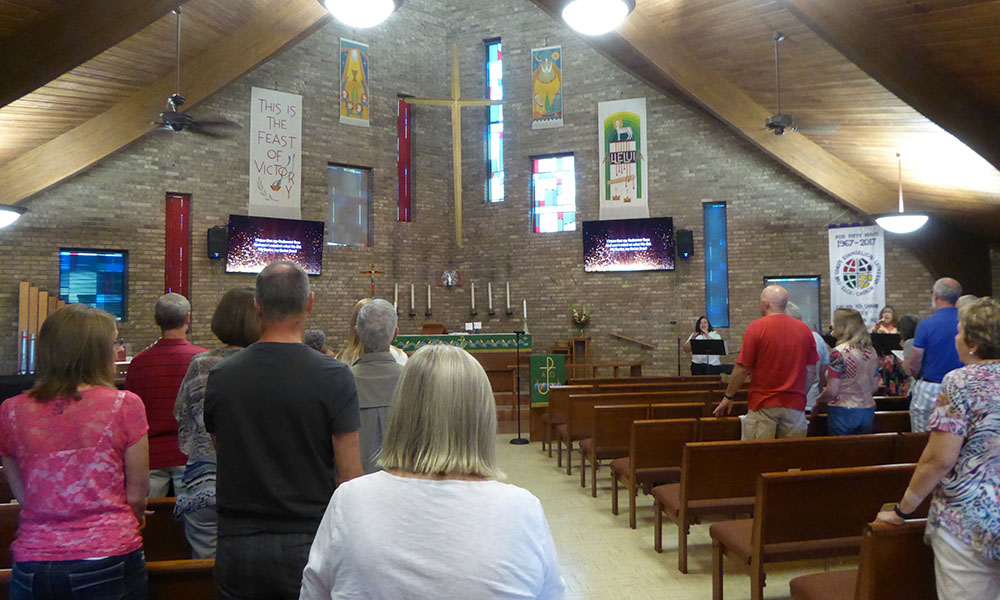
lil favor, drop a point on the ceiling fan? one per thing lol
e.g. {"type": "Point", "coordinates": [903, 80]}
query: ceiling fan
{"type": "Point", "coordinates": [779, 123]}
{"type": "Point", "coordinates": [174, 119]}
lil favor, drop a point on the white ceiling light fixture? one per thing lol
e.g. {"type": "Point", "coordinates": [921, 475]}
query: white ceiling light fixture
{"type": "Point", "coordinates": [596, 17]}
{"type": "Point", "coordinates": [902, 221]}
{"type": "Point", "coordinates": [361, 14]}
{"type": "Point", "coordinates": [10, 213]}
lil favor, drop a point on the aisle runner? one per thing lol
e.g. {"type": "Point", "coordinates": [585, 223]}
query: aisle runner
{"type": "Point", "coordinates": [857, 270]}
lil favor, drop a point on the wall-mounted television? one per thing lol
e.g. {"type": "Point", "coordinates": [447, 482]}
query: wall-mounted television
{"type": "Point", "coordinates": [628, 245]}
{"type": "Point", "coordinates": [95, 277]}
{"type": "Point", "coordinates": [254, 242]}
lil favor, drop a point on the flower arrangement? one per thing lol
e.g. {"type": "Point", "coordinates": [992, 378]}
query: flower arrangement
{"type": "Point", "coordinates": [581, 316]}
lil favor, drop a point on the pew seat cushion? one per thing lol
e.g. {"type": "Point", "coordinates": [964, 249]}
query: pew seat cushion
{"type": "Point", "coordinates": [832, 585]}
{"type": "Point", "coordinates": [669, 497]}
{"type": "Point", "coordinates": [603, 453]}
{"type": "Point", "coordinates": [645, 477]}
{"type": "Point", "coordinates": [737, 538]}
{"type": "Point", "coordinates": [562, 430]}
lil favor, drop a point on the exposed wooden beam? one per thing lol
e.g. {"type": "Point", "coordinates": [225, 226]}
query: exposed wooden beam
{"type": "Point", "coordinates": [905, 68]}
{"type": "Point", "coordinates": [86, 144]}
{"type": "Point", "coordinates": [68, 38]}
{"type": "Point", "coordinates": [734, 106]}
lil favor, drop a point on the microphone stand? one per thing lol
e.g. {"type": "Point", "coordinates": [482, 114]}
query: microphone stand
{"type": "Point", "coordinates": [518, 441]}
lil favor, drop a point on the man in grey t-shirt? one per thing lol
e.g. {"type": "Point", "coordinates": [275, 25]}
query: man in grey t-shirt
{"type": "Point", "coordinates": [375, 375]}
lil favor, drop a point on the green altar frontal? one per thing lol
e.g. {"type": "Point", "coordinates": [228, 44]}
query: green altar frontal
{"type": "Point", "coordinates": [472, 342]}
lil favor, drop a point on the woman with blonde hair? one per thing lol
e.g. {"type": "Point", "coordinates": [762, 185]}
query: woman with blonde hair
{"type": "Point", "coordinates": [852, 376]}
{"type": "Point", "coordinates": [961, 464]}
{"type": "Point", "coordinates": [435, 523]}
{"type": "Point", "coordinates": [76, 455]}
{"type": "Point", "coordinates": [354, 349]}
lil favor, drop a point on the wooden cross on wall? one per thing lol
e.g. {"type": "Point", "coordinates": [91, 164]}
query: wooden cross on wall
{"type": "Point", "coordinates": [457, 103]}
{"type": "Point", "coordinates": [371, 272]}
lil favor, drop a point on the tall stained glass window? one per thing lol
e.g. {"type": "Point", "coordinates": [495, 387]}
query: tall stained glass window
{"type": "Point", "coordinates": [716, 264]}
{"type": "Point", "coordinates": [494, 122]}
{"type": "Point", "coordinates": [553, 193]}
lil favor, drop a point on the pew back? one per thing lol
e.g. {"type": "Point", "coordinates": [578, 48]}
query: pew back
{"type": "Point", "coordinates": [173, 579]}
{"type": "Point", "coordinates": [711, 429]}
{"type": "Point", "coordinates": [678, 410]}
{"type": "Point", "coordinates": [660, 443]}
{"type": "Point", "coordinates": [895, 562]}
{"type": "Point", "coordinates": [910, 446]}
{"type": "Point", "coordinates": [163, 537]}
{"type": "Point", "coordinates": [612, 425]}
{"type": "Point", "coordinates": [644, 379]}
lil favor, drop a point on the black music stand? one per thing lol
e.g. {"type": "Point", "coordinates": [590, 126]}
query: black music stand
{"type": "Point", "coordinates": [885, 343]}
{"type": "Point", "coordinates": [517, 349]}
{"type": "Point", "coordinates": [712, 347]}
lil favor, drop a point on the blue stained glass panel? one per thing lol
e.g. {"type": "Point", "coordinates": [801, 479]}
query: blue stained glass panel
{"type": "Point", "coordinates": [494, 127]}
{"type": "Point", "coordinates": [716, 264]}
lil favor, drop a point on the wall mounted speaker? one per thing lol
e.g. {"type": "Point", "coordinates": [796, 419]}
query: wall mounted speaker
{"type": "Point", "coordinates": [685, 243]}
{"type": "Point", "coordinates": [217, 241]}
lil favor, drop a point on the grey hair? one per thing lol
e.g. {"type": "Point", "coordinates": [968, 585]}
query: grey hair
{"type": "Point", "coordinates": [443, 418]}
{"type": "Point", "coordinates": [282, 291]}
{"type": "Point", "coordinates": [377, 325]}
{"type": "Point", "coordinates": [965, 301]}
{"type": "Point", "coordinates": [315, 339]}
{"type": "Point", "coordinates": [171, 311]}
{"type": "Point", "coordinates": [948, 289]}
{"type": "Point", "coordinates": [792, 310]}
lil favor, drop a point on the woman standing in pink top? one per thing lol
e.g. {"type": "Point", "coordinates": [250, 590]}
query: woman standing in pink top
{"type": "Point", "coordinates": [77, 458]}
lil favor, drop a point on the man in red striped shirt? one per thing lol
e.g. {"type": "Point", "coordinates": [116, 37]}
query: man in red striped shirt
{"type": "Point", "coordinates": [154, 375]}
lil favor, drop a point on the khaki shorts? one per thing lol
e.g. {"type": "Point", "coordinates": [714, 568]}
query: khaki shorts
{"type": "Point", "coordinates": [774, 422]}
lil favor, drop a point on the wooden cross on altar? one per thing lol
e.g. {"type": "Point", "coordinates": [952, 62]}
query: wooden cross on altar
{"type": "Point", "coordinates": [371, 272]}
{"type": "Point", "coordinates": [457, 103]}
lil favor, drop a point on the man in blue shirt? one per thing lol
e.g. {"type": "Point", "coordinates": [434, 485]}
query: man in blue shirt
{"type": "Point", "coordinates": [934, 353]}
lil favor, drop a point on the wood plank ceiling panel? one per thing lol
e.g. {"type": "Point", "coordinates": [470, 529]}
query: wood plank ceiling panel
{"type": "Point", "coordinates": [835, 103]}
{"type": "Point", "coordinates": [119, 72]}
{"type": "Point", "coordinates": [19, 14]}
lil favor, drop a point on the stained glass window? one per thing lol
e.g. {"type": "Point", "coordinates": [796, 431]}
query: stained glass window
{"type": "Point", "coordinates": [553, 193]}
{"type": "Point", "coordinates": [350, 203]}
{"type": "Point", "coordinates": [716, 264]}
{"type": "Point", "coordinates": [494, 122]}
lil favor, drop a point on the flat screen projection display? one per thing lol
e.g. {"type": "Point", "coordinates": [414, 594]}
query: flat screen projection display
{"type": "Point", "coordinates": [97, 278]}
{"type": "Point", "coordinates": [254, 242]}
{"type": "Point", "coordinates": [803, 290]}
{"type": "Point", "coordinates": [628, 245]}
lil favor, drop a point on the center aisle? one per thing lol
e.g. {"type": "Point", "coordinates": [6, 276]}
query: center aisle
{"type": "Point", "coordinates": [602, 558]}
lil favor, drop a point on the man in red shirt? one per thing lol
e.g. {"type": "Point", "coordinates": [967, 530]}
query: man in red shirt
{"type": "Point", "coordinates": [154, 375]}
{"type": "Point", "coordinates": [776, 350]}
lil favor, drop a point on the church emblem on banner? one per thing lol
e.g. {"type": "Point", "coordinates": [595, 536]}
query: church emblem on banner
{"type": "Point", "coordinates": [546, 88]}
{"type": "Point", "coordinates": [857, 270]}
{"type": "Point", "coordinates": [354, 99]}
{"type": "Point", "coordinates": [623, 157]}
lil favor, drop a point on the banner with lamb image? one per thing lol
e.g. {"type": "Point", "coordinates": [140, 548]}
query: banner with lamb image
{"type": "Point", "coordinates": [623, 159]}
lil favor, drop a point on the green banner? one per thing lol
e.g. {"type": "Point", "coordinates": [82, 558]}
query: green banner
{"type": "Point", "coordinates": [546, 370]}
{"type": "Point", "coordinates": [470, 342]}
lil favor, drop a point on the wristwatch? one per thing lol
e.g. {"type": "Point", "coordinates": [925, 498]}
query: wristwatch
{"type": "Point", "coordinates": [901, 514]}
{"type": "Point", "coordinates": [727, 396]}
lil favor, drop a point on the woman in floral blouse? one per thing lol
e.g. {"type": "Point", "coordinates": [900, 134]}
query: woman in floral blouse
{"type": "Point", "coordinates": [852, 376]}
{"type": "Point", "coordinates": [236, 324]}
{"type": "Point", "coordinates": [961, 464]}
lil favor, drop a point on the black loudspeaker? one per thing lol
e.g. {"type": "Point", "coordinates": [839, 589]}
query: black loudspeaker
{"type": "Point", "coordinates": [685, 243]}
{"type": "Point", "coordinates": [217, 241]}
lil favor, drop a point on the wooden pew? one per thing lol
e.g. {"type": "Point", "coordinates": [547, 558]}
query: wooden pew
{"type": "Point", "coordinates": [611, 429]}
{"type": "Point", "coordinates": [654, 457]}
{"type": "Point", "coordinates": [580, 413]}
{"type": "Point", "coordinates": [8, 532]}
{"type": "Point", "coordinates": [163, 537]}
{"type": "Point", "coordinates": [558, 412]}
{"type": "Point", "coordinates": [6, 494]}
{"type": "Point", "coordinates": [895, 564]}
{"type": "Point", "coordinates": [909, 446]}
{"type": "Point", "coordinates": [895, 421]}
{"type": "Point", "coordinates": [644, 379]}
{"type": "Point", "coordinates": [892, 403]}
{"type": "Point", "coordinates": [721, 477]}
{"type": "Point", "coordinates": [804, 515]}
{"type": "Point", "coordinates": [174, 579]}
{"type": "Point", "coordinates": [721, 429]}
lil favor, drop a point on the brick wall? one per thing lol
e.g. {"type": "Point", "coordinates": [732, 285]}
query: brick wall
{"type": "Point", "coordinates": [777, 223]}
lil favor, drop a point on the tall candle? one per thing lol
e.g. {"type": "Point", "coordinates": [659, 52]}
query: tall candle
{"type": "Point", "coordinates": [508, 295]}
{"type": "Point", "coordinates": [473, 288]}
{"type": "Point", "coordinates": [489, 294]}
{"type": "Point", "coordinates": [411, 298]}
{"type": "Point", "coordinates": [428, 297]}
{"type": "Point", "coordinates": [525, 311]}
{"type": "Point", "coordinates": [395, 296]}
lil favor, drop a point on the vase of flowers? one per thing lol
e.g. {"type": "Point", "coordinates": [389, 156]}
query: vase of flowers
{"type": "Point", "coordinates": [581, 316]}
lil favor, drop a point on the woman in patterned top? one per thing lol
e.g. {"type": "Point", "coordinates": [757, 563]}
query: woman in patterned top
{"type": "Point", "coordinates": [76, 455]}
{"type": "Point", "coordinates": [852, 376]}
{"type": "Point", "coordinates": [961, 464]}
{"type": "Point", "coordinates": [236, 323]}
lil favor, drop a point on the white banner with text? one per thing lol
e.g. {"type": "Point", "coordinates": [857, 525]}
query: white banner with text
{"type": "Point", "coordinates": [857, 270]}
{"type": "Point", "coordinates": [275, 154]}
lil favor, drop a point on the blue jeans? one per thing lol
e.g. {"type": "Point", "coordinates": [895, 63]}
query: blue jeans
{"type": "Point", "coordinates": [850, 421]}
{"type": "Point", "coordinates": [267, 566]}
{"type": "Point", "coordinates": [114, 578]}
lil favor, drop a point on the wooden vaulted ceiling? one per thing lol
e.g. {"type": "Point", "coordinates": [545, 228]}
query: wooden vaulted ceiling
{"type": "Point", "coordinates": [864, 79]}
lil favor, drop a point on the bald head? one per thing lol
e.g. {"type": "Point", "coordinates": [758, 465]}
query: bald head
{"type": "Point", "coordinates": [947, 291]}
{"type": "Point", "coordinates": [773, 300]}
